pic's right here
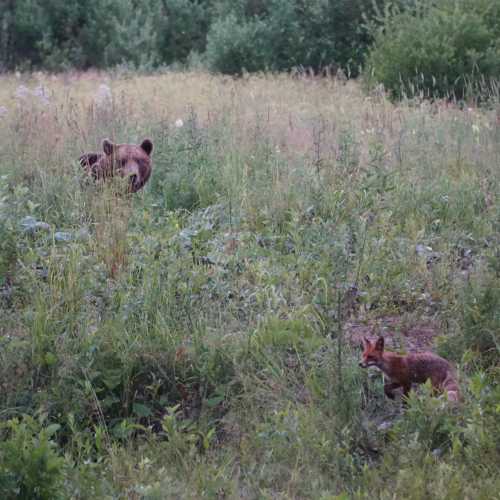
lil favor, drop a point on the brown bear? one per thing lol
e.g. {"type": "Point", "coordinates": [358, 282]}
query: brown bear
{"type": "Point", "coordinates": [127, 160]}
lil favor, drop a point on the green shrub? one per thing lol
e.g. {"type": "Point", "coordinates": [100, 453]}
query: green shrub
{"type": "Point", "coordinates": [478, 327]}
{"type": "Point", "coordinates": [30, 468]}
{"type": "Point", "coordinates": [438, 49]}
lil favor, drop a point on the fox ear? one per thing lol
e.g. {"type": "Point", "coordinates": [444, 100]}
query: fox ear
{"type": "Point", "coordinates": [366, 342]}
{"type": "Point", "coordinates": [379, 346]}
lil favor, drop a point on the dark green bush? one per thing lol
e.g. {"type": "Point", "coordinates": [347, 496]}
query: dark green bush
{"type": "Point", "coordinates": [438, 49]}
{"type": "Point", "coordinates": [29, 466]}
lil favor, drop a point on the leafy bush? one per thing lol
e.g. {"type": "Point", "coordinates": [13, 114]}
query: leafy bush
{"type": "Point", "coordinates": [438, 49]}
{"type": "Point", "coordinates": [478, 326]}
{"type": "Point", "coordinates": [30, 468]}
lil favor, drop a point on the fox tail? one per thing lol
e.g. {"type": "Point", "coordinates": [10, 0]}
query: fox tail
{"type": "Point", "coordinates": [450, 385]}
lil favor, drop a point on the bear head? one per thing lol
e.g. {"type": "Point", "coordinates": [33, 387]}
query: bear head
{"type": "Point", "coordinates": [127, 160]}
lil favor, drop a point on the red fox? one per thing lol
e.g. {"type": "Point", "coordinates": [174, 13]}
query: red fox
{"type": "Point", "coordinates": [413, 368]}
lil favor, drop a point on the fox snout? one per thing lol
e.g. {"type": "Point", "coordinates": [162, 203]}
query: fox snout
{"type": "Point", "coordinates": [367, 364]}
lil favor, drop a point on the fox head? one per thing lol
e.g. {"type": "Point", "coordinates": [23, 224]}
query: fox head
{"type": "Point", "coordinates": [373, 353]}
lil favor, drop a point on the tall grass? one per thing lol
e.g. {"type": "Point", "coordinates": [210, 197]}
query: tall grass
{"type": "Point", "coordinates": [200, 338]}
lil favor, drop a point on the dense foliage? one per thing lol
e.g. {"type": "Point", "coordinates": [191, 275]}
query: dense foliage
{"type": "Point", "coordinates": [449, 48]}
{"type": "Point", "coordinates": [245, 34]}
{"type": "Point", "coordinates": [414, 47]}
{"type": "Point", "coordinates": [282, 34]}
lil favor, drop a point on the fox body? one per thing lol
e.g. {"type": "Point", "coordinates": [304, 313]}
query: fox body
{"type": "Point", "coordinates": [413, 368]}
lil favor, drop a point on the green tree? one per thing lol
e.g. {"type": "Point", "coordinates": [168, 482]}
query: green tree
{"type": "Point", "coordinates": [289, 33]}
{"type": "Point", "coordinates": [22, 24]}
{"type": "Point", "coordinates": [182, 28]}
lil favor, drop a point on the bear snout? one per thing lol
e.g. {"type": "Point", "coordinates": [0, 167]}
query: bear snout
{"type": "Point", "coordinates": [126, 160]}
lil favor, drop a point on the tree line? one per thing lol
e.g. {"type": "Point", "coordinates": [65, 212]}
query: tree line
{"type": "Point", "coordinates": [232, 35]}
{"type": "Point", "coordinates": [433, 46]}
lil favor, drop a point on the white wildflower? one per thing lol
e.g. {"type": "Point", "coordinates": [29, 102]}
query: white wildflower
{"type": "Point", "coordinates": [42, 93]}
{"type": "Point", "coordinates": [3, 111]}
{"type": "Point", "coordinates": [103, 95]}
{"type": "Point", "coordinates": [22, 92]}
{"type": "Point", "coordinates": [179, 123]}
{"type": "Point", "coordinates": [18, 75]}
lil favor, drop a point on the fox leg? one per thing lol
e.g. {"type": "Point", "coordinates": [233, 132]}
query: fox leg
{"type": "Point", "coordinates": [389, 388]}
{"type": "Point", "coordinates": [406, 391]}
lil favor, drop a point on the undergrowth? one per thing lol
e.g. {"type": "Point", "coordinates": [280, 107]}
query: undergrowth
{"type": "Point", "coordinates": [201, 339]}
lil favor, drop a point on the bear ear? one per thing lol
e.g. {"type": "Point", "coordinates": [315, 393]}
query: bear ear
{"type": "Point", "coordinates": [108, 147]}
{"type": "Point", "coordinates": [147, 146]}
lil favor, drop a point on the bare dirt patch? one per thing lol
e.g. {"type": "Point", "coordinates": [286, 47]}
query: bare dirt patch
{"type": "Point", "coordinates": [400, 332]}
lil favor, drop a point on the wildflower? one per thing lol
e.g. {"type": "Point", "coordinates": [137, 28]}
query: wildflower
{"type": "Point", "coordinates": [3, 111]}
{"type": "Point", "coordinates": [42, 94]}
{"type": "Point", "coordinates": [22, 92]}
{"type": "Point", "coordinates": [103, 95]}
{"type": "Point", "coordinates": [179, 123]}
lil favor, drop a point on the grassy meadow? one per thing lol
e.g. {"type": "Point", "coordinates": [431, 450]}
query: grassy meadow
{"type": "Point", "coordinates": [201, 339]}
